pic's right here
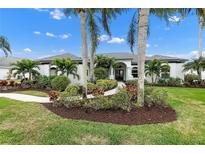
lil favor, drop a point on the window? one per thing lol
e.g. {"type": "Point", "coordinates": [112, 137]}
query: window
{"type": "Point", "coordinates": [53, 71]}
{"type": "Point", "coordinates": [134, 72]}
{"type": "Point", "coordinates": [165, 75]}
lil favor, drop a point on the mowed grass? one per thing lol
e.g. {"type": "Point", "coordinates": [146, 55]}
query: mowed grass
{"type": "Point", "coordinates": [31, 123]}
{"type": "Point", "coordinates": [33, 93]}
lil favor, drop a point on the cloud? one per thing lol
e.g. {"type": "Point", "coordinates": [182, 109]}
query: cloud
{"type": "Point", "coordinates": [104, 38]}
{"type": "Point", "coordinates": [41, 10]}
{"type": "Point", "coordinates": [174, 19]}
{"type": "Point", "coordinates": [147, 45]}
{"type": "Point", "coordinates": [116, 40]}
{"type": "Point", "coordinates": [50, 34]}
{"type": "Point", "coordinates": [57, 14]}
{"type": "Point", "coordinates": [37, 33]}
{"type": "Point", "coordinates": [27, 50]}
{"type": "Point", "coordinates": [59, 51]}
{"type": "Point", "coordinates": [64, 36]}
{"type": "Point", "coordinates": [111, 40]}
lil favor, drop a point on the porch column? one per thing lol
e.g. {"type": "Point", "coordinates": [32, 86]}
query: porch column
{"type": "Point", "coordinates": [112, 76]}
{"type": "Point", "coordinates": [129, 73]}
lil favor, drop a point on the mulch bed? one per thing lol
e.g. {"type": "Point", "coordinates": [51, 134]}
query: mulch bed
{"type": "Point", "coordinates": [135, 117]}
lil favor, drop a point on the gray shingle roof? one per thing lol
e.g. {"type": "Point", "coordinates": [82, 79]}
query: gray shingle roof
{"type": "Point", "coordinates": [66, 55]}
{"type": "Point", "coordinates": [6, 61]}
{"type": "Point", "coordinates": [133, 57]}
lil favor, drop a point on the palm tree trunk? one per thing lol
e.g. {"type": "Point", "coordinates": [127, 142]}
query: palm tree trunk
{"type": "Point", "coordinates": [91, 60]}
{"type": "Point", "coordinates": [200, 36]}
{"type": "Point", "coordinates": [29, 75]}
{"type": "Point", "coordinates": [200, 41]}
{"type": "Point", "coordinates": [84, 49]}
{"type": "Point", "coordinates": [142, 39]}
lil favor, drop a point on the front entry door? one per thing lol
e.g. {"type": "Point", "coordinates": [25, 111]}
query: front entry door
{"type": "Point", "coordinates": [119, 75]}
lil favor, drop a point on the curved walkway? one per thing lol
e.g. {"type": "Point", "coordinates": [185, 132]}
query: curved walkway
{"type": "Point", "coordinates": [29, 98]}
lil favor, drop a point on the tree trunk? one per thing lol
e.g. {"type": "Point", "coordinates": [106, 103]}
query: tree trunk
{"type": "Point", "coordinates": [29, 75]}
{"type": "Point", "coordinates": [200, 42]}
{"type": "Point", "coordinates": [92, 77]}
{"type": "Point", "coordinates": [84, 50]}
{"type": "Point", "coordinates": [200, 35]}
{"type": "Point", "coordinates": [142, 39]}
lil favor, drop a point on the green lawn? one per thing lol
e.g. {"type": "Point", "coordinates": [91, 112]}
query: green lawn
{"type": "Point", "coordinates": [31, 123]}
{"type": "Point", "coordinates": [33, 93]}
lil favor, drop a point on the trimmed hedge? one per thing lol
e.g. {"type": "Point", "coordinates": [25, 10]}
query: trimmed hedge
{"type": "Point", "coordinates": [60, 83]}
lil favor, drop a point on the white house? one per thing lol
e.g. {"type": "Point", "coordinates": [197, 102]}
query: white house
{"type": "Point", "coordinates": [127, 70]}
{"type": "Point", "coordinates": [5, 66]}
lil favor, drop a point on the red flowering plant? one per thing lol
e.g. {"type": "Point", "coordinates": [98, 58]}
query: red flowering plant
{"type": "Point", "coordinates": [98, 91]}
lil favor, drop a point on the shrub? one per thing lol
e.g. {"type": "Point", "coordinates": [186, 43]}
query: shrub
{"type": "Point", "coordinates": [101, 73]}
{"type": "Point", "coordinates": [60, 83]}
{"type": "Point", "coordinates": [132, 92]}
{"type": "Point", "coordinates": [98, 103]}
{"type": "Point", "coordinates": [3, 83]}
{"type": "Point", "coordinates": [106, 84]}
{"type": "Point", "coordinates": [91, 87]}
{"type": "Point", "coordinates": [121, 100]}
{"type": "Point", "coordinates": [73, 89]}
{"type": "Point", "coordinates": [11, 83]}
{"type": "Point", "coordinates": [102, 85]}
{"type": "Point", "coordinates": [68, 101]}
{"type": "Point", "coordinates": [132, 82]}
{"type": "Point", "coordinates": [191, 78]}
{"type": "Point", "coordinates": [170, 82]}
{"type": "Point", "coordinates": [155, 97]}
{"type": "Point", "coordinates": [53, 95]}
{"type": "Point", "coordinates": [43, 81]}
{"type": "Point", "coordinates": [98, 91]}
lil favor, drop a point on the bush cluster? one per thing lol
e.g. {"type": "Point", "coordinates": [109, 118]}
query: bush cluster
{"type": "Point", "coordinates": [101, 73]}
{"type": "Point", "coordinates": [172, 82]}
{"type": "Point", "coordinates": [106, 84]}
{"type": "Point", "coordinates": [60, 83]}
{"type": "Point", "coordinates": [155, 97]}
{"type": "Point", "coordinates": [132, 82]}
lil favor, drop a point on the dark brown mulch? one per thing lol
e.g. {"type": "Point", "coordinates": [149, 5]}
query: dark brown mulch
{"type": "Point", "coordinates": [136, 117]}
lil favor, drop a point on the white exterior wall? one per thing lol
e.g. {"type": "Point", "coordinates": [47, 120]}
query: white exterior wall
{"type": "Point", "coordinates": [176, 70]}
{"type": "Point", "coordinates": [3, 73]}
{"type": "Point", "coordinates": [44, 69]}
{"type": "Point", "coordinates": [80, 73]}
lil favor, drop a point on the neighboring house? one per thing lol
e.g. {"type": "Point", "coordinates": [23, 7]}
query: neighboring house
{"type": "Point", "coordinates": [5, 66]}
{"type": "Point", "coordinates": [126, 70]}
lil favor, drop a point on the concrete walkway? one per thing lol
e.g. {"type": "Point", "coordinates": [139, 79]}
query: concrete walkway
{"type": "Point", "coordinates": [29, 98]}
{"type": "Point", "coordinates": [25, 98]}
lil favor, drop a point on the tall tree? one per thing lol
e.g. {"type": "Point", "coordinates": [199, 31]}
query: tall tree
{"type": "Point", "coordinates": [104, 16]}
{"type": "Point", "coordinates": [4, 45]}
{"type": "Point", "coordinates": [66, 66]}
{"type": "Point", "coordinates": [138, 32]}
{"type": "Point", "coordinates": [25, 66]}
{"type": "Point", "coordinates": [81, 12]}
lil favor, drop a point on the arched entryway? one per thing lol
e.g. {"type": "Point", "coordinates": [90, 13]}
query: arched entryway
{"type": "Point", "coordinates": [120, 71]}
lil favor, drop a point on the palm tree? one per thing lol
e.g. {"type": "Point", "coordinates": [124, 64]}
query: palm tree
{"type": "Point", "coordinates": [138, 32]}
{"type": "Point", "coordinates": [81, 13]}
{"type": "Point", "coordinates": [195, 65]}
{"type": "Point", "coordinates": [155, 67]}
{"type": "Point", "coordinates": [106, 16]}
{"type": "Point", "coordinates": [67, 66]}
{"type": "Point", "coordinates": [4, 45]}
{"type": "Point", "coordinates": [25, 66]}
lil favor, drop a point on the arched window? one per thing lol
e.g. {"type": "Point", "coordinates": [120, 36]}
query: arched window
{"type": "Point", "coordinates": [53, 71]}
{"type": "Point", "coordinates": [135, 72]}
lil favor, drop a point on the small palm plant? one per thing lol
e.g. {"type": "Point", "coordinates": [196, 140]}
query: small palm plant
{"type": "Point", "coordinates": [4, 45]}
{"type": "Point", "coordinates": [155, 67]}
{"type": "Point", "coordinates": [25, 66]}
{"type": "Point", "coordinates": [195, 65]}
{"type": "Point", "coordinates": [66, 66]}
